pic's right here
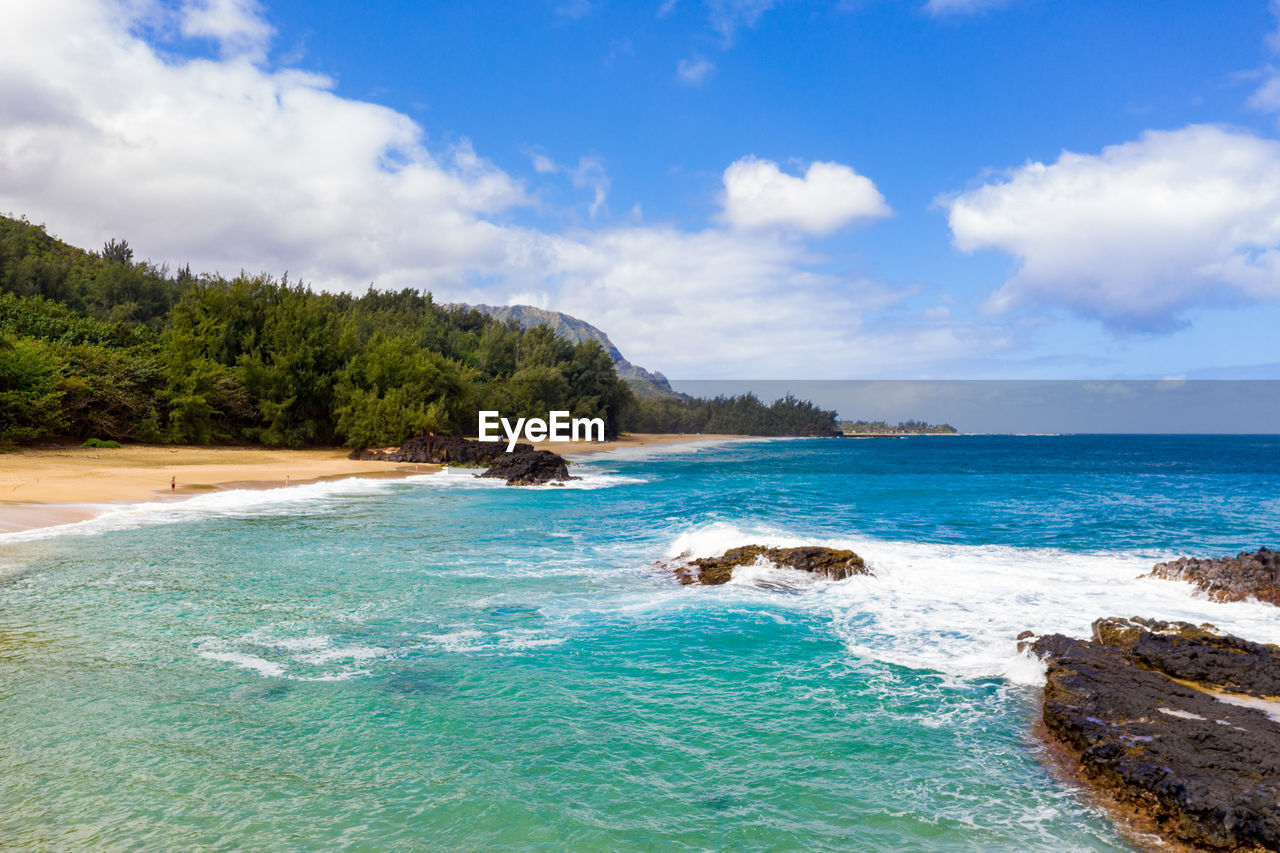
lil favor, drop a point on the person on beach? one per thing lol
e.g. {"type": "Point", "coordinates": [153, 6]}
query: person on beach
{"type": "Point", "coordinates": [286, 481]}
{"type": "Point", "coordinates": [173, 483]}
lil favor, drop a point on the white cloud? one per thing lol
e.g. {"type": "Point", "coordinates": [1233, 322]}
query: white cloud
{"type": "Point", "coordinates": [720, 304]}
{"type": "Point", "coordinates": [1266, 98]}
{"type": "Point", "coordinates": [228, 165]}
{"type": "Point", "coordinates": [542, 164]}
{"type": "Point", "coordinates": [224, 164]}
{"type": "Point", "coordinates": [728, 16]}
{"type": "Point", "coordinates": [237, 25]}
{"type": "Point", "coordinates": [695, 70]}
{"type": "Point", "coordinates": [588, 174]}
{"type": "Point", "coordinates": [1138, 233]}
{"type": "Point", "coordinates": [759, 195]}
{"type": "Point", "coordinates": [961, 7]}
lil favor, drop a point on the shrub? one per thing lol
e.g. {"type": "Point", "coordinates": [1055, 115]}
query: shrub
{"type": "Point", "coordinates": [100, 443]}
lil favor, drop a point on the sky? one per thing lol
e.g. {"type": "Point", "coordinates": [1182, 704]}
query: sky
{"type": "Point", "coordinates": [770, 189]}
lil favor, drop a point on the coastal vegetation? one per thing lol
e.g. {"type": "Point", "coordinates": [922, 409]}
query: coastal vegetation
{"type": "Point", "coordinates": [901, 428]}
{"type": "Point", "coordinates": [98, 345]}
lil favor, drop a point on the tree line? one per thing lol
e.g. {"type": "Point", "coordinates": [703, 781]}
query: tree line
{"type": "Point", "coordinates": [909, 427]}
{"type": "Point", "coordinates": [98, 345]}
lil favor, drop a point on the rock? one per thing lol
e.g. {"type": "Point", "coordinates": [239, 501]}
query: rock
{"type": "Point", "coordinates": [441, 450]}
{"type": "Point", "coordinates": [1250, 574]}
{"type": "Point", "coordinates": [530, 468]}
{"type": "Point", "coordinates": [828, 562]}
{"type": "Point", "coordinates": [1150, 714]}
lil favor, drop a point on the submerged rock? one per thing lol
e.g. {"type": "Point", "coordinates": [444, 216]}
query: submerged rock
{"type": "Point", "coordinates": [1172, 723]}
{"type": "Point", "coordinates": [1250, 574]}
{"type": "Point", "coordinates": [530, 468]}
{"type": "Point", "coordinates": [827, 562]}
{"type": "Point", "coordinates": [440, 450]}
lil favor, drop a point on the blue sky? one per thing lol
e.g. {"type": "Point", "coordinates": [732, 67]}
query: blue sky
{"type": "Point", "coordinates": [738, 188]}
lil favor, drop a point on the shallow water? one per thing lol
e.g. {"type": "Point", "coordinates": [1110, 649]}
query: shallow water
{"type": "Point", "coordinates": [446, 662]}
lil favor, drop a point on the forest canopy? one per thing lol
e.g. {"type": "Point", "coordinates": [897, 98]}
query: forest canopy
{"type": "Point", "coordinates": [98, 345]}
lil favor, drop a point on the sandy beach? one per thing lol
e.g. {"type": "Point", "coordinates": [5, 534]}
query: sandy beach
{"type": "Point", "coordinates": [56, 485]}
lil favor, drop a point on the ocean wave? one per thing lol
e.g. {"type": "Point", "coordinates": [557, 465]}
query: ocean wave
{"type": "Point", "coordinates": [590, 477]}
{"type": "Point", "coordinates": [957, 609]}
{"type": "Point", "coordinates": [232, 503]}
{"type": "Point", "coordinates": [282, 501]}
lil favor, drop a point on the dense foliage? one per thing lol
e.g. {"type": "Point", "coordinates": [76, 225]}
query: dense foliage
{"type": "Point", "coordinates": [903, 428]}
{"type": "Point", "coordinates": [744, 415]}
{"type": "Point", "coordinates": [94, 345]}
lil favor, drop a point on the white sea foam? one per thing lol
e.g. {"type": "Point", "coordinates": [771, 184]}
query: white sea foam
{"type": "Point", "coordinates": [590, 477]}
{"type": "Point", "coordinates": [232, 503]}
{"type": "Point", "coordinates": [257, 503]}
{"type": "Point", "coordinates": [505, 641]}
{"type": "Point", "coordinates": [305, 658]}
{"type": "Point", "coordinates": [957, 609]}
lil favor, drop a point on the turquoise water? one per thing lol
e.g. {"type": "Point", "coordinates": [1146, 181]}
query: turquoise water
{"type": "Point", "coordinates": [444, 662]}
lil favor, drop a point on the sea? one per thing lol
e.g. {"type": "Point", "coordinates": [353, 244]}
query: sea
{"type": "Point", "coordinates": [446, 663]}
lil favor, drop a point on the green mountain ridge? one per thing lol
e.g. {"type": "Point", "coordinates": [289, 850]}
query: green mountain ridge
{"type": "Point", "coordinates": [644, 383]}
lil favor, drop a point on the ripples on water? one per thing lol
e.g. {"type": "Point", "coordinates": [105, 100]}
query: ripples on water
{"type": "Point", "coordinates": [446, 662]}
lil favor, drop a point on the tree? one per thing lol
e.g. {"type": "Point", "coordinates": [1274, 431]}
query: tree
{"type": "Point", "coordinates": [117, 252]}
{"type": "Point", "coordinates": [394, 390]}
{"type": "Point", "coordinates": [30, 391]}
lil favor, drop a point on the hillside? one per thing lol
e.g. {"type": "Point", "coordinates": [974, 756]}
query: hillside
{"type": "Point", "coordinates": [98, 345]}
{"type": "Point", "coordinates": [644, 383]}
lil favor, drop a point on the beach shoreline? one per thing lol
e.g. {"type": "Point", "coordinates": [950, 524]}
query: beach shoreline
{"type": "Point", "coordinates": [47, 486]}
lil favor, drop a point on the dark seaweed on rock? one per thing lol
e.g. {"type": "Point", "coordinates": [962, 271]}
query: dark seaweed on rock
{"type": "Point", "coordinates": [828, 562]}
{"type": "Point", "coordinates": [1202, 771]}
{"type": "Point", "coordinates": [1250, 574]}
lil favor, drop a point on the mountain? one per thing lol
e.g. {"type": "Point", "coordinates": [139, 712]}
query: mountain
{"type": "Point", "coordinates": [644, 383]}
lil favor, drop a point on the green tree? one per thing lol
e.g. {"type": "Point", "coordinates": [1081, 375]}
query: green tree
{"type": "Point", "coordinates": [394, 390]}
{"type": "Point", "coordinates": [30, 391]}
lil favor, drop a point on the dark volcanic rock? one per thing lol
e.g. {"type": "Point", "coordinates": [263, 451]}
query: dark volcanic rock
{"type": "Point", "coordinates": [1201, 770]}
{"type": "Point", "coordinates": [1253, 574]}
{"type": "Point", "coordinates": [829, 562]}
{"type": "Point", "coordinates": [530, 468]}
{"type": "Point", "coordinates": [441, 450]}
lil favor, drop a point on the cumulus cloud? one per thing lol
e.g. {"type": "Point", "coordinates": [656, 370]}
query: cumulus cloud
{"type": "Point", "coordinates": [759, 195]}
{"type": "Point", "coordinates": [230, 164]}
{"type": "Point", "coordinates": [1138, 233]}
{"type": "Point", "coordinates": [212, 161]}
{"type": "Point", "coordinates": [721, 304]}
{"type": "Point", "coordinates": [695, 70]}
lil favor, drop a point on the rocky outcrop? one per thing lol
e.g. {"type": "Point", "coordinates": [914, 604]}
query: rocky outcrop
{"type": "Point", "coordinates": [1170, 722]}
{"type": "Point", "coordinates": [1250, 574]}
{"type": "Point", "coordinates": [530, 468]}
{"type": "Point", "coordinates": [826, 562]}
{"type": "Point", "coordinates": [441, 450]}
